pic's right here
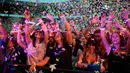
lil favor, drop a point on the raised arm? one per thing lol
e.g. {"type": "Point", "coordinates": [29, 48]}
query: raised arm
{"type": "Point", "coordinates": [3, 32]}
{"type": "Point", "coordinates": [27, 15]}
{"type": "Point", "coordinates": [87, 30]}
{"type": "Point", "coordinates": [109, 22]}
{"type": "Point", "coordinates": [19, 39]}
{"type": "Point", "coordinates": [68, 29]}
{"type": "Point", "coordinates": [44, 28]}
{"type": "Point", "coordinates": [102, 28]}
{"type": "Point", "coordinates": [126, 18]}
{"type": "Point", "coordinates": [50, 16]}
{"type": "Point", "coordinates": [73, 26]}
{"type": "Point", "coordinates": [27, 29]}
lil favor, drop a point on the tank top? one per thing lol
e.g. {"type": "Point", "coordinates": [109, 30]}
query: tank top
{"type": "Point", "coordinates": [117, 64]}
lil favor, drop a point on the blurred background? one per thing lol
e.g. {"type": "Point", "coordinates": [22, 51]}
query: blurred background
{"type": "Point", "coordinates": [80, 11]}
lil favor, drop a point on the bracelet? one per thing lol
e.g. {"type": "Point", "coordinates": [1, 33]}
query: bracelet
{"type": "Point", "coordinates": [29, 22]}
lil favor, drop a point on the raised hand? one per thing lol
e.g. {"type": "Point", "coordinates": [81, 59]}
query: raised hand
{"type": "Point", "coordinates": [20, 27]}
{"type": "Point", "coordinates": [103, 17]}
{"type": "Point", "coordinates": [50, 16]}
{"type": "Point", "coordinates": [72, 23]}
{"type": "Point", "coordinates": [95, 20]}
{"type": "Point", "coordinates": [125, 14]}
{"type": "Point", "coordinates": [27, 15]}
{"type": "Point", "coordinates": [40, 21]}
{"type": "Point", "coordinates": [117, 25]}
{"type": "Point", "coordinates": [111, 16]}
{"type": "Point", "coordinates": [44, 28]}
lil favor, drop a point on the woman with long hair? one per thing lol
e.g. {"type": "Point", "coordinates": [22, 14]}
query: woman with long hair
{"type": "Point", "coordinates": [36, 41]}
{"type": "Point", "coordinates": [61, 55]}
{"type": "Point", "coordinates": [117, 53]}
{"type": "Point", "coordinates": [90, 59]}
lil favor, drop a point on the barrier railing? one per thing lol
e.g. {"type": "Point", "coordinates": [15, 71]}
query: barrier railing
{"type": "Point", "coordinates": [22, 68]}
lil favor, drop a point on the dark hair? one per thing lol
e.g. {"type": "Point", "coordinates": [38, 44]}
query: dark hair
{"type": "Point", "coordinates": [92, 41]}
{"type": "Point", "coordinates": [46, 20]}
{"type": "Point", "coordinates": [97, 31]}
{"type": "Point", "coordinates": [122, 39]}
{"type": "Point", "coordinates": [34, 38]}
{"type": "Point", "coordinates": [11, 38]}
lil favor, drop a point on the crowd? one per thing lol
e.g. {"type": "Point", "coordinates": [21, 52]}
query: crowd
{"type": "Point", "coordinates": [104, 48]}
{"type": "Point", "coordinates": [80, 11]}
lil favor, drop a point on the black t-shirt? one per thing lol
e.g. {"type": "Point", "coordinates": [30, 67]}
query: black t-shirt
{"type": "Point", "coordinates": [77, 47]}
{"type": "Point", "coordinates": [61, 56]}
{"type": "Point", "coordinates": [117, 64]}
{"type": "Point", "coordinates": [16, 56]}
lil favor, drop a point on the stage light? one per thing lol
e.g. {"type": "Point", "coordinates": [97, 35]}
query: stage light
{"type": "Point", "coordinates": [43, 1]}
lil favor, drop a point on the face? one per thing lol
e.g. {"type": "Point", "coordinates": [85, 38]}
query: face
{"type": "Point", "coordinates": [115, 38]}
{"type": "Point", "coordinates": [91, 47]}
{"type": "Point", "coordinates": [38, 34]}
{"type": "Point", "coordinates": [10, 43]}
{"type": "Point", "coordinates": [97, 36]}
{"type": "Point", "coordinates": [58, 37]}
{"type": "Point", "coordinates": [51, 40]}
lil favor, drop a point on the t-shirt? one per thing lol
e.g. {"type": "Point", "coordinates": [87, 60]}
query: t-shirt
{"type": "Point", "coordinates": [117, 64]}
{"type": "Point", "coordinates": [35, 54]}
{"type": "Point", "coordinates": [15, 56]}
{"type": "Point", "coordinates": [61, 56]}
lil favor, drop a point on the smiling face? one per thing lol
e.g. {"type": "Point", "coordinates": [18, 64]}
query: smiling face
{"type": "Point", "coordinates": [115, 38]}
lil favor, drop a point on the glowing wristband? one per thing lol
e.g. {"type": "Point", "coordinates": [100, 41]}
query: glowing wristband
{"type": "Point", "coordinates": [29, 22]}
{"type": "Point", "coordinates": [102, 28]}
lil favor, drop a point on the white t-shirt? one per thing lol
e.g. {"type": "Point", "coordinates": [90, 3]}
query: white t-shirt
{"type": "Point", "coordinates": [35, 54]}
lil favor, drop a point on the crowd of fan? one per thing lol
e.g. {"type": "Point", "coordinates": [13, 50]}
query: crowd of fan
{"type": "Point", "coordinates": [103, 48]}
{"type": "Point", "coordinates": [80, 11]}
